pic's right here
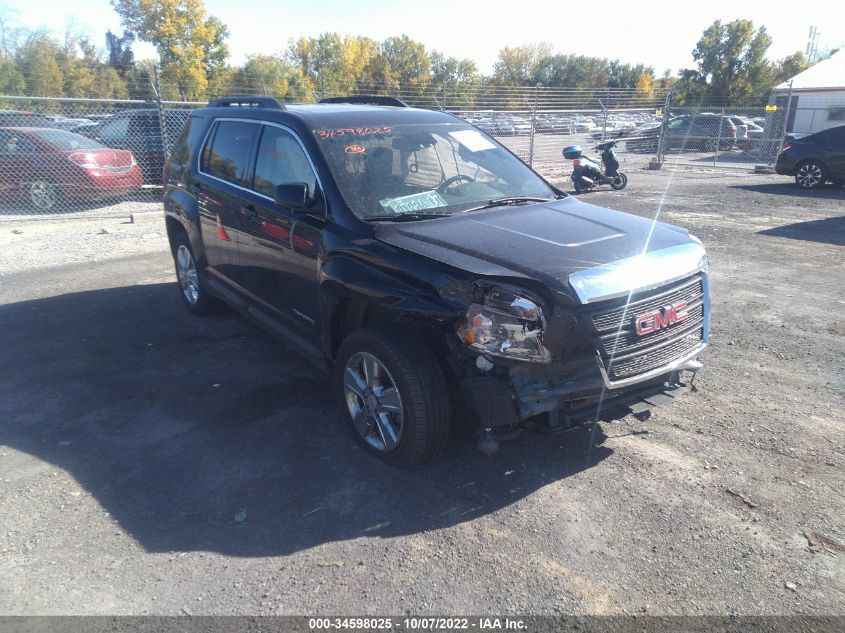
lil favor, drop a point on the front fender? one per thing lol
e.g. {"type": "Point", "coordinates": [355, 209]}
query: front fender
{"type": "Point", "coordinates": [347, 278]}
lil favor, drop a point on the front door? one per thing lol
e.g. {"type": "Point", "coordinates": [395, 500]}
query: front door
{"type": "Point", "coordinates": [279, 246]}
{"type": "Point", "coordinates": [834, 142]}
{"type": "Point", "coordinates": [220, 186]}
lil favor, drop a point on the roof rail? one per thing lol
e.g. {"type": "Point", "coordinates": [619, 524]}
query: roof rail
{"type": "Point", "coordinates": [246, 101]}
{"type": "Point", "coordinates": [367, 100]}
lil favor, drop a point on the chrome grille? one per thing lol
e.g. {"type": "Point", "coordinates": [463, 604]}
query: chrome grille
{"type": "Point", "coordinates": [655, 357]}
{"type": "Point", "coordinates": [689, 290]}
{"type": "Point", "coordinates": [615, 336]}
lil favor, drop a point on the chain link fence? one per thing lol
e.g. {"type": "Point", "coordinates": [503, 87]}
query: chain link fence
{"type": "Point", "coordinates": [82, 157]}
{"type": "Point", "coordinates": [739, 138]}
{"type": "Point", "coordinates": [77, 157]}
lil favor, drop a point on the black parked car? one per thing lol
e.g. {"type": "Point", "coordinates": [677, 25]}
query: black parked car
{"type": "Point", "coordinates": [138, 131]}
{"type": "Point", "coordinates": [429, 269]}
{"type": "Point", "coordinates": [23, 118]}
{"type": "Point", "coordinates": [689, 132]}
{"type": "Point", "coordinates": [814, 159]}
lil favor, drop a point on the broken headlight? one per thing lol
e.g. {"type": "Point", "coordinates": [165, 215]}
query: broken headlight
{"type": "Point", "coordinates": [506, 325]}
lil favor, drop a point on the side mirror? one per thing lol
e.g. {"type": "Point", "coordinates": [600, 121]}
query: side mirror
{"type": "Point", "coordinates": [293, 196]}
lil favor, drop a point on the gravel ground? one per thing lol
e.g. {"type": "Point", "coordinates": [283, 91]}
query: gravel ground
{"type": "Point", "coordinates": [156, 463]}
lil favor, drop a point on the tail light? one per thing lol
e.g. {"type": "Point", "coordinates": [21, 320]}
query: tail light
{"type": "Point", "coordinates": [86, 160]}
{"type": "Point", "coordinates": [576, 163]}
{"type": "Point", "coordinates": [786, 146]}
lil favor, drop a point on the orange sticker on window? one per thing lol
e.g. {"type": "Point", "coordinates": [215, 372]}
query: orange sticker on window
{"type": "Point", "coordinates": [354, 149]}
{"type": "Point", "coordinates": [353, 131]}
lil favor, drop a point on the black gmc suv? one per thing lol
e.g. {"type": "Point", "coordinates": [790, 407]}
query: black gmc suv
{"type": "Point", "coordinates": [437, 276]}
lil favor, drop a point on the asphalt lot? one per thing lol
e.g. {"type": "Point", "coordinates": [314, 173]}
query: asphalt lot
{"type": "Point", "coordinates": [155, 463]}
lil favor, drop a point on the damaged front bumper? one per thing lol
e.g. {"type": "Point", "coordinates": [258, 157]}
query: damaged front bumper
{"type": "Point", "coordinates": [570, 399]}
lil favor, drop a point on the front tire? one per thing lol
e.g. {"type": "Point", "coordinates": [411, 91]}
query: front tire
{"type": "Point", "coordinates": [193, 291]}
{"type": "Point", "coordinates": [394, 396]}
{"type": "Point", "coordinates": [810, 175]}
{"type": "Point", "coordinates": [619, 182]}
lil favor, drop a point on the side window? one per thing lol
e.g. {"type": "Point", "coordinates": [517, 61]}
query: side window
{"type": "Point", "coordinates": [11, 143]}
{"type": "Point", "coordinates": [281, 161]}
{"type": "Point", "coordinates": [145, 124]}
{"type": "Point", "coordinates": [117, 128]}
{"type": "Point", "coordinates": [229, 153]}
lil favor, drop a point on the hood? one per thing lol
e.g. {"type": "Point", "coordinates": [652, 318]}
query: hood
{"type": "Point", "coordinates": [552, 241]}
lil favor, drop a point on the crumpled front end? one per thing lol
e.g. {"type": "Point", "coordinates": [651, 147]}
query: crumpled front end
{"type": "Point", "coordinates": [631, 340]}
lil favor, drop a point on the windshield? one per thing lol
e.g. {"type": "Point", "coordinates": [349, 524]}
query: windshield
{"type": "Point", "coordinates": [409, 169]}
{"type": "Point", "coordinates": [66, 140]}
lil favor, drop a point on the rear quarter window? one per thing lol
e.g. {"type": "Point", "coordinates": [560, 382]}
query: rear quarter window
{"type": "Point", "coordinates": [184, 147]}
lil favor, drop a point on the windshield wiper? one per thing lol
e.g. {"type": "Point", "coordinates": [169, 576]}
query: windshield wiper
{"type": "Point", "coordinates": [406, 217]}
{"type": "Point", "coordinates": [509, 200]}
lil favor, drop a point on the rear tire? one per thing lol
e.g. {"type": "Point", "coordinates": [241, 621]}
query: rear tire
{"type": "Point", "coordinates": [619, 181]}
{"type": "Point", "coordinates": [810, 175]}
{"type": "Point", "coordinates": [42, 194]}
{"type": "Point", "coordinates": [191, 287]}
{"type": "Point", "coordinates": [394, 396]}
{"type": "Point", "coordinates": [581, 186]}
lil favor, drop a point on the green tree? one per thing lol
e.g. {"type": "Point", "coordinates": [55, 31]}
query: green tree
{"type": "Point", "coordinates": [139, 84]}
{"type": "Point", "coordinates": [732, 66]}
{"type": "Point", "coordinates": [121, 57]}
{"type": "Point", "coordinates": [519, 65]}
{"type": "Point", "coordinates": [408, 60]}
{"type": "Point", "coordinates": [11, 79]}
{"type": "Point", "coordinates": [37, 61]}
{"type": "Point", "coordinates": [190, 43]}
{"type": "Point", "coordinates": [788, 67]}
{"type": "Point", "coordinates": [268, 75]}
{"type": "Point", "coordinates": [454, 80]}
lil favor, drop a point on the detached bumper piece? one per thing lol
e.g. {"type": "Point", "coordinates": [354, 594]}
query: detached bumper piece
{"type": "Point", "coordinates": [613, 407]}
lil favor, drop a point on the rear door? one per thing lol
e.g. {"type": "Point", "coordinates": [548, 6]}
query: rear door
{"type": "Point", "coordinates": [279, 247]}
{"type": "Point", "coordinates": [225, 170]}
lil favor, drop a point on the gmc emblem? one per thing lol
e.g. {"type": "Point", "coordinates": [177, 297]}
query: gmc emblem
{"type": "Point", "coordinates": [664, 317]}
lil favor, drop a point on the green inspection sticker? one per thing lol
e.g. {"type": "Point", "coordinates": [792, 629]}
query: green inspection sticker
{"type": "Point", "coordinates": [414, 202]}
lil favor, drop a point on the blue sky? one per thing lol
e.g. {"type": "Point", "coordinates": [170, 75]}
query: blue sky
{"type": "Point", "coordinates": [634, 31]}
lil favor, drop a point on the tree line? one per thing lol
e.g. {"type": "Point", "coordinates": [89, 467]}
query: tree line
{"type": "Point", "coordinates": [731, 66]}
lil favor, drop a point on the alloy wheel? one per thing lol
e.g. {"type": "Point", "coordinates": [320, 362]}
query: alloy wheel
{"type": "Point", "coordinates": [809, 176]}
{"type": "Point", "coordinates": [373, 400]}
{"type": "Point", "coordinates": [186, 271]}
{"type": "Point", "coordinates": [42, 194]}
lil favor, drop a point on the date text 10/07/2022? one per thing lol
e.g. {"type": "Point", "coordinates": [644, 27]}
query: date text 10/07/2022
{"type": "Point", "coordinates": [418, 624]}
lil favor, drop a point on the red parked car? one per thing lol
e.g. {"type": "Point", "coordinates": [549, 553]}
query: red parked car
{"type": "Point", "coordinates": [47, 165]}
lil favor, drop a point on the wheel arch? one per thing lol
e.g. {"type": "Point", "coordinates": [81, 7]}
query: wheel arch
{"type": "Point", "coordinates": [182, 215]}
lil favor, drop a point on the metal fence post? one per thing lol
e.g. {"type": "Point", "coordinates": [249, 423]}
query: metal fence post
{"type": "Point", "coordinates": [718, 137]}
{"type": "Point", "coordinates": [159, 107]}
{"type": "Point", "coordinates": [533, 126]}
{"type": "Point", "coordinates": [785, 123]}
{"type": "Point", "coordinates": [664, 130]}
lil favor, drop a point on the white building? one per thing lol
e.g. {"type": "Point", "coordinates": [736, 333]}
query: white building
{"type": "Point", "coordinates": [818, 96]}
